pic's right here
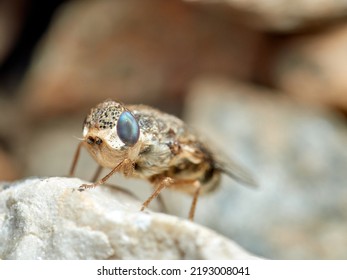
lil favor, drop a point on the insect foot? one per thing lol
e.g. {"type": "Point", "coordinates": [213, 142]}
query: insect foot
{"type": "Point", "coordinates": [83, 187]}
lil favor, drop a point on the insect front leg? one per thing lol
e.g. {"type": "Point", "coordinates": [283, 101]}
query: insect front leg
{"type": "Point", "coordinates": [75, 159]}
{"type": "Point", "coordinates": [126, 164]}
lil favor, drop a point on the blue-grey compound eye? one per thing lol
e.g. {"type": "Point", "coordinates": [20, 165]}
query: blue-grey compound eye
{"type": "Point", "coordinates": [128, 129]}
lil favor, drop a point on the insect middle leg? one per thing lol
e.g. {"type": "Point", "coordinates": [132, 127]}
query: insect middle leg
{"type": "Point", "coordinates": [196, 194]}
{"type": "Point", "coordinates": [159, 185]}
{"type": "Point", "coordinates": [162, 183]}
{"type": "Point", "coordinates": [193, 187]}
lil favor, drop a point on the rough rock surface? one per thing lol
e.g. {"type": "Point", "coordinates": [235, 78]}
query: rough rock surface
{"type": "Point", "coordinates": [298, 156]}
{"type": "Point", "coordinates": [284, 15]}
{"type": "Point", "coordinates": [46, 219]}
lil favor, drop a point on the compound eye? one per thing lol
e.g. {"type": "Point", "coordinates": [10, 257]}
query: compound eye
{"type": "Point", "coordinates": [128, 129]}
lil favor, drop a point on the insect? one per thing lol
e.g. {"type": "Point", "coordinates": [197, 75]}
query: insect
{"type": "Point", "coordinates": [142, 142]}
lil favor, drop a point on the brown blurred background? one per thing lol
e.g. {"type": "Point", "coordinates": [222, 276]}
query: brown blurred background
{"type": "Point", "coordinates": [264, 80]}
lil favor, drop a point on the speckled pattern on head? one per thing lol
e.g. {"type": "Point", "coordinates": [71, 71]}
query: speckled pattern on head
{"type": "Point", "coordinates": [104, 115]}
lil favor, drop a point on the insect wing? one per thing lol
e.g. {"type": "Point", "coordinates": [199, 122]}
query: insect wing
{"type": "Point", "coordinates": [234, 170]}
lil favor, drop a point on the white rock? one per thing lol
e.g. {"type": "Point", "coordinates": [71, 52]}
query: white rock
{"type": "Point", "coordinates": [49, 219]}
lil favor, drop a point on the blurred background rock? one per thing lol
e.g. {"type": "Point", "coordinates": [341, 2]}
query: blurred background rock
{"type": "Point", "coordinates": [264, 80]}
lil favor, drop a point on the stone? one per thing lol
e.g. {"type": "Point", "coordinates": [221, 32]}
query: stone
{"type": "Point", "coordinates": [283, 15]}
{"type": "Point", "coordinates": [46, 218]}
{"type": "Point", "coordinates": [312, 67]}
{"type": "Point", "coordinates": [297, 155]}
{"type": "Point", "coordinates": [133, 51]}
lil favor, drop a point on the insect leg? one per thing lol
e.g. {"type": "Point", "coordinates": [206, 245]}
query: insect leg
{"type": "Point", "coordinates": [159, 186]}
{"type": "Point", "coordinates": [197, 186]}
{"type": "Point", "coordinates": [124, 163]}
{"type": "Point", "coordinates": [75, 159]}
{"type": "Point", "coordinates": [192, 187]}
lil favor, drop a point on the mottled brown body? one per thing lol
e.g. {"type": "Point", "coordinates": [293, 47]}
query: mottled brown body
{"type": "Point", "coordinates": [165, 151]}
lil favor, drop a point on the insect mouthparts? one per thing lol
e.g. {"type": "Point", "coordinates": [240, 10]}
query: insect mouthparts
{"type": "Point", "coordinates": [91, 140]}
